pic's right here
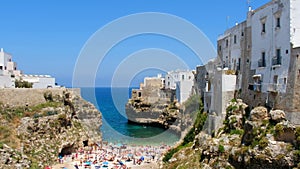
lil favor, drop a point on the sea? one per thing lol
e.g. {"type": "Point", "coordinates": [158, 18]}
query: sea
{"type": "Point", "coordinates": [115, 127]}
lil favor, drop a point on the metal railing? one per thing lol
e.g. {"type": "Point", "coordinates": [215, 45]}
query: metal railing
{"type": "Point", "coordinates": [276, 60]}
{"type": "Point", "coordinates": [261, 63]}
{"type": "Point", "coordinates": [273, 87]}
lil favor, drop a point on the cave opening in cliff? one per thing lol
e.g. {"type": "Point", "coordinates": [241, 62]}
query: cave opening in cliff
{"type": "Point", "coordinates": [67, 150]}
{"type": "Point", "coordinates": [85, 143]}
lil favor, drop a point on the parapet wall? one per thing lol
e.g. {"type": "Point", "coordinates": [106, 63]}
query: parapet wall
{"type": "Point", "coordinates": [22, 97]}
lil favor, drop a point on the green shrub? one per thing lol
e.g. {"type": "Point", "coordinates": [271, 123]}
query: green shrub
{"type": "Point", "coordinates": [279, 129]}
{"type": "Point", "coordinates": [237, 131]}
{"type": "Point", "coordinates": [23, 84]}
{"type": "Point", "coordinates": [48, 96]}
{"type": "Point", "coordinates": [263, 143]}
{"type": "Point", "coordinates": [170, 154]}
{"type": "Point", "coordinates": [221, 148]}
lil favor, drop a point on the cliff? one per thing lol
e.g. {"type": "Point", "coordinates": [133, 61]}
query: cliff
{"type": "Point", "coordinates": [34, 135]}
{"type": "Point", "coordinates": [161, 115]}
{"type": "Point", "coordinates": [168, 115]}
{"type": "Point", "coordinates": [259, 139]}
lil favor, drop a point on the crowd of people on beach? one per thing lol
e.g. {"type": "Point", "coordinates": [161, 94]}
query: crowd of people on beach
{"type": "Point", "coordinates": [116, 156]}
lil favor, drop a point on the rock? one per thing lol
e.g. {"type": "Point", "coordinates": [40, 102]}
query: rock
{"type": "Point", "coordinates": [284, 131]}
{"type": "Point", "coordinates": [259, 114]}
{"type": "Point", "coordinates": [277, 115]}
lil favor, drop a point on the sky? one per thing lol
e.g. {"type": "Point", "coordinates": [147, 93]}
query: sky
{"type": "Point", "coordinates": [47, 37]}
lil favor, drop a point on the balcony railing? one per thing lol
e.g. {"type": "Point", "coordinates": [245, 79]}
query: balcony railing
{"type": "Point", "coordinates": [261, 63]}
{"type": "Point", "coordinates": [273, 87]}
{"type": "Point", "coordinates": [276, 61]}
{"type": "Point", "coordinates": [255, 87]}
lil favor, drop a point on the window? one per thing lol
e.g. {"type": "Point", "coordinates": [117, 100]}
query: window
{"type": "Point", "coordinates": [234, 39]}
{"type": "Point", "coordinates": [278, 53]}
{"type": "Point", "coordinates": [220, 48]}
{"type": "Point", "coordinates": [278, 22]}
{"type": "Point", "coordinates": [263, 30]}
{"type": "Point", "coordinates": [182, 77]}
{"type": "Point", "coordinates": [5, 68]}
{"type": "Point", "coordinates": [275, 79]}
{"type": "Point", "coordinates": [242, 34]}
{"type": "Point", "coordinates": [1, 67]}
{"type": "Point", "coordinates": [277, 59]}
{"type": "Point", "coordinates": [262, 61]}
{"type": "Point", "coordinates": [226, 42]}
{"type": "Point", "coordinates": [239, 64]}
{"type": "Point", "coordinates": [284, 80]}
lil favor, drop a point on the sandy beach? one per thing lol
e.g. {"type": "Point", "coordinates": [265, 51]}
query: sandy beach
{"type": "Point", "coordinates": [113, 156]}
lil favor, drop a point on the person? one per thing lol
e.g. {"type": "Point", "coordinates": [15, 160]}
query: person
{"type": "Point", "coordinates": [140, 160]}
{"type": "Point", "coordinates": [122, 165]}
{"type": "Point", "coordinates": [60, 159]}
{"type": "Point", "coordinates": [76, 166]}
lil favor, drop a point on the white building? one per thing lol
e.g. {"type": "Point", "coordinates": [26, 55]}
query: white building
{"type": "Point", "coordinates": [182, 82]}
{"type": "Point", "coordinates": [275, 27]}
{"type": "Point", "coordinates": [7, 69]}
{"type": "Point", "coordinates": [268, 45]}
{"type": "Point", "coordinates": [230, 46]}
{"type": "Point", "coordinates": [39, 81]}
{"type": "Point", "coordinates": [9, 73]}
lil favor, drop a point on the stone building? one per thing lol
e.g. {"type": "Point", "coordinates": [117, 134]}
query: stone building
{"type": "Point", "coordinates": [153, 91]}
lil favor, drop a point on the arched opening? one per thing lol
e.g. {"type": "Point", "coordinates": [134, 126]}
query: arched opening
{"type": "Point", "coordinates": [85, 143]}
{"type": "Point", "coordinates": [67, 150]}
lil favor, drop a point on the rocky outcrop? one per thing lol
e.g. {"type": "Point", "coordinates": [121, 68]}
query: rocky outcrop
{"type": "Point", "coordinates": [47, 130]}
{"type": "Point", "coordinates": [277, 115]}
{"type": "Point", "coordinates": [12, 158]}
{"type": "Point", "coordinates": [262, 140]}
{"type": "Point", "coordinates": [169, 115]}
{"type": "Point", "coordinates": [160, 115]}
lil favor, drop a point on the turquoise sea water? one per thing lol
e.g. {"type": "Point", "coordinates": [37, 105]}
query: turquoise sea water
{"type": "Point", "coordinates": [111, 102]}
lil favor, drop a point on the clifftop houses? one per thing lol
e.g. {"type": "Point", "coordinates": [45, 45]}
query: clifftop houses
{"type": "Point", "coordinates": [258, 61]}
{"type": "Point", "coordinates": [9, 74]}
{"type": "Point", "coordinates": [263, 55]}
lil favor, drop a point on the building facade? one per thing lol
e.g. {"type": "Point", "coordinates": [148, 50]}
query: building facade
{"type": "Point", "coordinates": [266, 53]}
{"type": "Point", "coordinates": [182, 81]}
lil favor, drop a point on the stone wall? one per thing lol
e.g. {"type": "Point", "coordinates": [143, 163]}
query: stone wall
{"type": "Point", "coordinates": [22, 97]}
{"type": "Point", "coordinates": [290, 101]}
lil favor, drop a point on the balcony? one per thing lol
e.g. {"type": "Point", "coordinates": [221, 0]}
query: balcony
{"type": "Point", "coordinates": [261, 63]}
{"type": "Point", "coordinates": [276, 61]}
{"type": "Point", "coordinates": [273, 87]}
{"type": "Point", "coordinates": [255, 87]}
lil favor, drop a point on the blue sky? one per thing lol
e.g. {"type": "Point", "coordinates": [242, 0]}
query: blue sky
{"type": "Point", "coordinates": [46, 37]}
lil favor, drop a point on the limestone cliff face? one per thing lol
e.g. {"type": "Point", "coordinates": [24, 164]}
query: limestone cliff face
{"type": "Point", "coordinates": [260, 139]}
{"type": "Point", "coordinates": [157, 114]}
{"type": "Point", "coordinates": [43, 132]}
{"type": "Point", "coordinates": [169, 115]}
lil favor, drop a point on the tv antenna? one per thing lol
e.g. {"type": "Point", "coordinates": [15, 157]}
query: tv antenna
{"type": "Point", "coordinates": [249, 5]}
